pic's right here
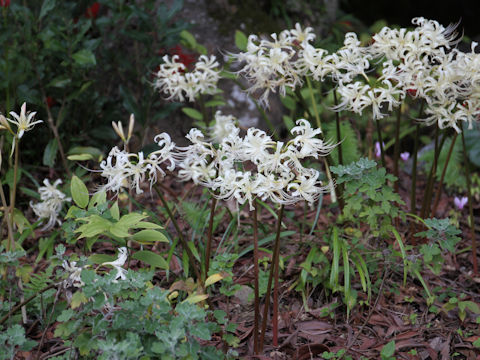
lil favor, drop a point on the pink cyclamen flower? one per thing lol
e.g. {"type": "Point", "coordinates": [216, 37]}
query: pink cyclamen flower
{"type": "Point", "coordinates": [378, 150]}
{"type": "Point", "coordinates": [405, 155]}
{"type": "Point", "coordinates": [460, 202]}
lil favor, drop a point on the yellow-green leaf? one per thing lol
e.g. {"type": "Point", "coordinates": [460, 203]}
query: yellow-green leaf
{"type": "Point", "coordinates": [196, 298]}
{"type": "Point", "coordinates": [212, 279]}
{"type": "Point", "coordinates": [149, 236]}
{"type": "Point", "coordinates": [79, 192]}
{"type": "Point", "coordinates": [78, 299]}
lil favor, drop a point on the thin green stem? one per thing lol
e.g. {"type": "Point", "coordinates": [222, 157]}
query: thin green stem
{"type": "Point", "coordinates": [13, 191]}
{"type": "Point", "coordinates": [442, 177]}
{"type": "Point", "coordinates": [209, 236]}
{"type": "Point", "coordinates": [339, 135]}
{"type": "Point", "coordinates": [470, 207]}
{"type": "Point", "coordinates": [396, 149]}
{"type": "Point", "coordinates": [314, 104]}
{"type": "Point", "coordinates": [275, 260]}
{"type": "Point", "coordinates": [413, 190]}
{"type": "Point", "coordinates": [256, 282]}
{"type": "Point", "coordinates": [185, 246]}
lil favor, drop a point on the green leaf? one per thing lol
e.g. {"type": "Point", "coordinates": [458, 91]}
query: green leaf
{"type": "Point", "coordinates": [50, 153]}
{"type": "Point", "coordinates": [241, 40]}
{"type": "Point", "coordinates": [96, 225]}
{"type": "Point", "coordinates": [84, 57]}
{"type": "Point", "coordinates": [47, 6]}
{"type": "Point", "coordinates": [115, 211]}
{"type": "Point", "coordinates": [149, 236]}
{"type": "Point", "coordinates": [79, 192]}
{"type": "Point", "coordinates": [188, 38]}
{"type": "Point", "coordinates": [388, 350]}
{"type": "Point", "coordinates": [194, 114]}
{"type": "Point", "coordinates": [151, 258]}
{"type": "Point", "coordinates": [100, 258]}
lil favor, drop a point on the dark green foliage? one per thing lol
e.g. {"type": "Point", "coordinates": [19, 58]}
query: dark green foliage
{"type": "Point", "coordinates": [455, 174]}
{"type": "Point", "coordinates": [349, 142]}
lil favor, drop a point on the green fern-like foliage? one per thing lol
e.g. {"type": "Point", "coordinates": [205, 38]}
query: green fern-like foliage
{"type": "Point", "coordinates": [350, 149]}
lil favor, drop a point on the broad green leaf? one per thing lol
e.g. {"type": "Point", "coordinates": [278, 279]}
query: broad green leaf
{"type": "Point", "coordinates": [79, 192]}
{"type": "Point", "coordinates": [95, 225]}
{"type": "Point", "coordinates": [147, 225]}
{"type": "Point", "coordinates": [149, 236]}
{"type": "Point", "coordinates": [50, 153]}
{"type": "Point", "coordinates": [47, 6]}
{"type": "Point", "coordinates": [194, 114]}
{"type": "Point", "coordinates": [388, 350]}
{"type": "Point", "coordinates": [115, 211]}
{"type": "Point", "coordinates": [241, 40]}
{"type": "Point", "coordinates": [189, 38]}
{"type": "Point", "coordinates": [100, 258]}
{"type": "Point", "coordinates": [151, 259]}
{"type": "Point", "coordinates": [84, 57]}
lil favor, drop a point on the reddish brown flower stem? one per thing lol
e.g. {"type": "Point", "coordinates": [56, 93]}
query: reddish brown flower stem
{"type": "Point", "coordinates": [442, 177]}
{"type": "Point", "coordinates": [256, 283]}
{"type": "Point", "coordinates": [470, 208]}
{"type": "Point", "coordinates": [273, 270]}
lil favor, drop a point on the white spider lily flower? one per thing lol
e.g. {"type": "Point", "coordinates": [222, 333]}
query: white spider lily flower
{"type": "Point", "coordinates": [177, 83]}
{"type": "Point", "coordinates": [51, 204]}
{"type": "Point", "coordinates": [306, 186]}
{"type": "Point", "coordinates": [224, 126]}
{"type": "Point", "coordinates": [118, 263]}
{"type": "Point", "coordinates": [24, 121]}
{"type": "Point", "coordinates": [123, 169]}
{"type": "Point", "coordinates": [75, 272]}
{"type": "Point", "coordinates": [309, 144]}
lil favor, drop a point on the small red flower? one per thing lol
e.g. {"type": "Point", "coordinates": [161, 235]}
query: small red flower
{"type": "Point", "coordinates": [412, 92]}
{"type": "Point", "coordinates": [50, 101]}
{"type": "Point", "coordinates": [92, 11]}
{"type": "Point", "coordinates": [185, 59]}
{"type": "Point", "coordinates": [4, 3]}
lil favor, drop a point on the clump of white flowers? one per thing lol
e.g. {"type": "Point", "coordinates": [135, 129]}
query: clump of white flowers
{"type": "Point", "coordinates": [51, 205]}
{"type": "Point", "coordinates": [128, 170]}
{"type": "Point", "coordinates": [256, 166]}
{"type": "Point", "coordinates": [421, 62]}
{"type": "Point", "coordinates": [275, 64]}
{"type": "Point", "coordinates": [178, 83]}
{"type": "Point", "coordinates": [223, 127]}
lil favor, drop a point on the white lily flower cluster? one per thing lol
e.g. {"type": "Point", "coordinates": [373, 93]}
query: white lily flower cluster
{"type": "Point", "coordinates": [174, 80]}
{"type": "Point", "coordinates": [223, 127]}
{"type": "Point", "coordinates": [256, 166]}
{"type": "Point", "coordinates": [51, 204]}
{"type": "Point", "coordinates": [123, 169]}
{"type": "Point", "coordinates": [421, 62]}
{"type": "Point", "coordinates": [275, 64]}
